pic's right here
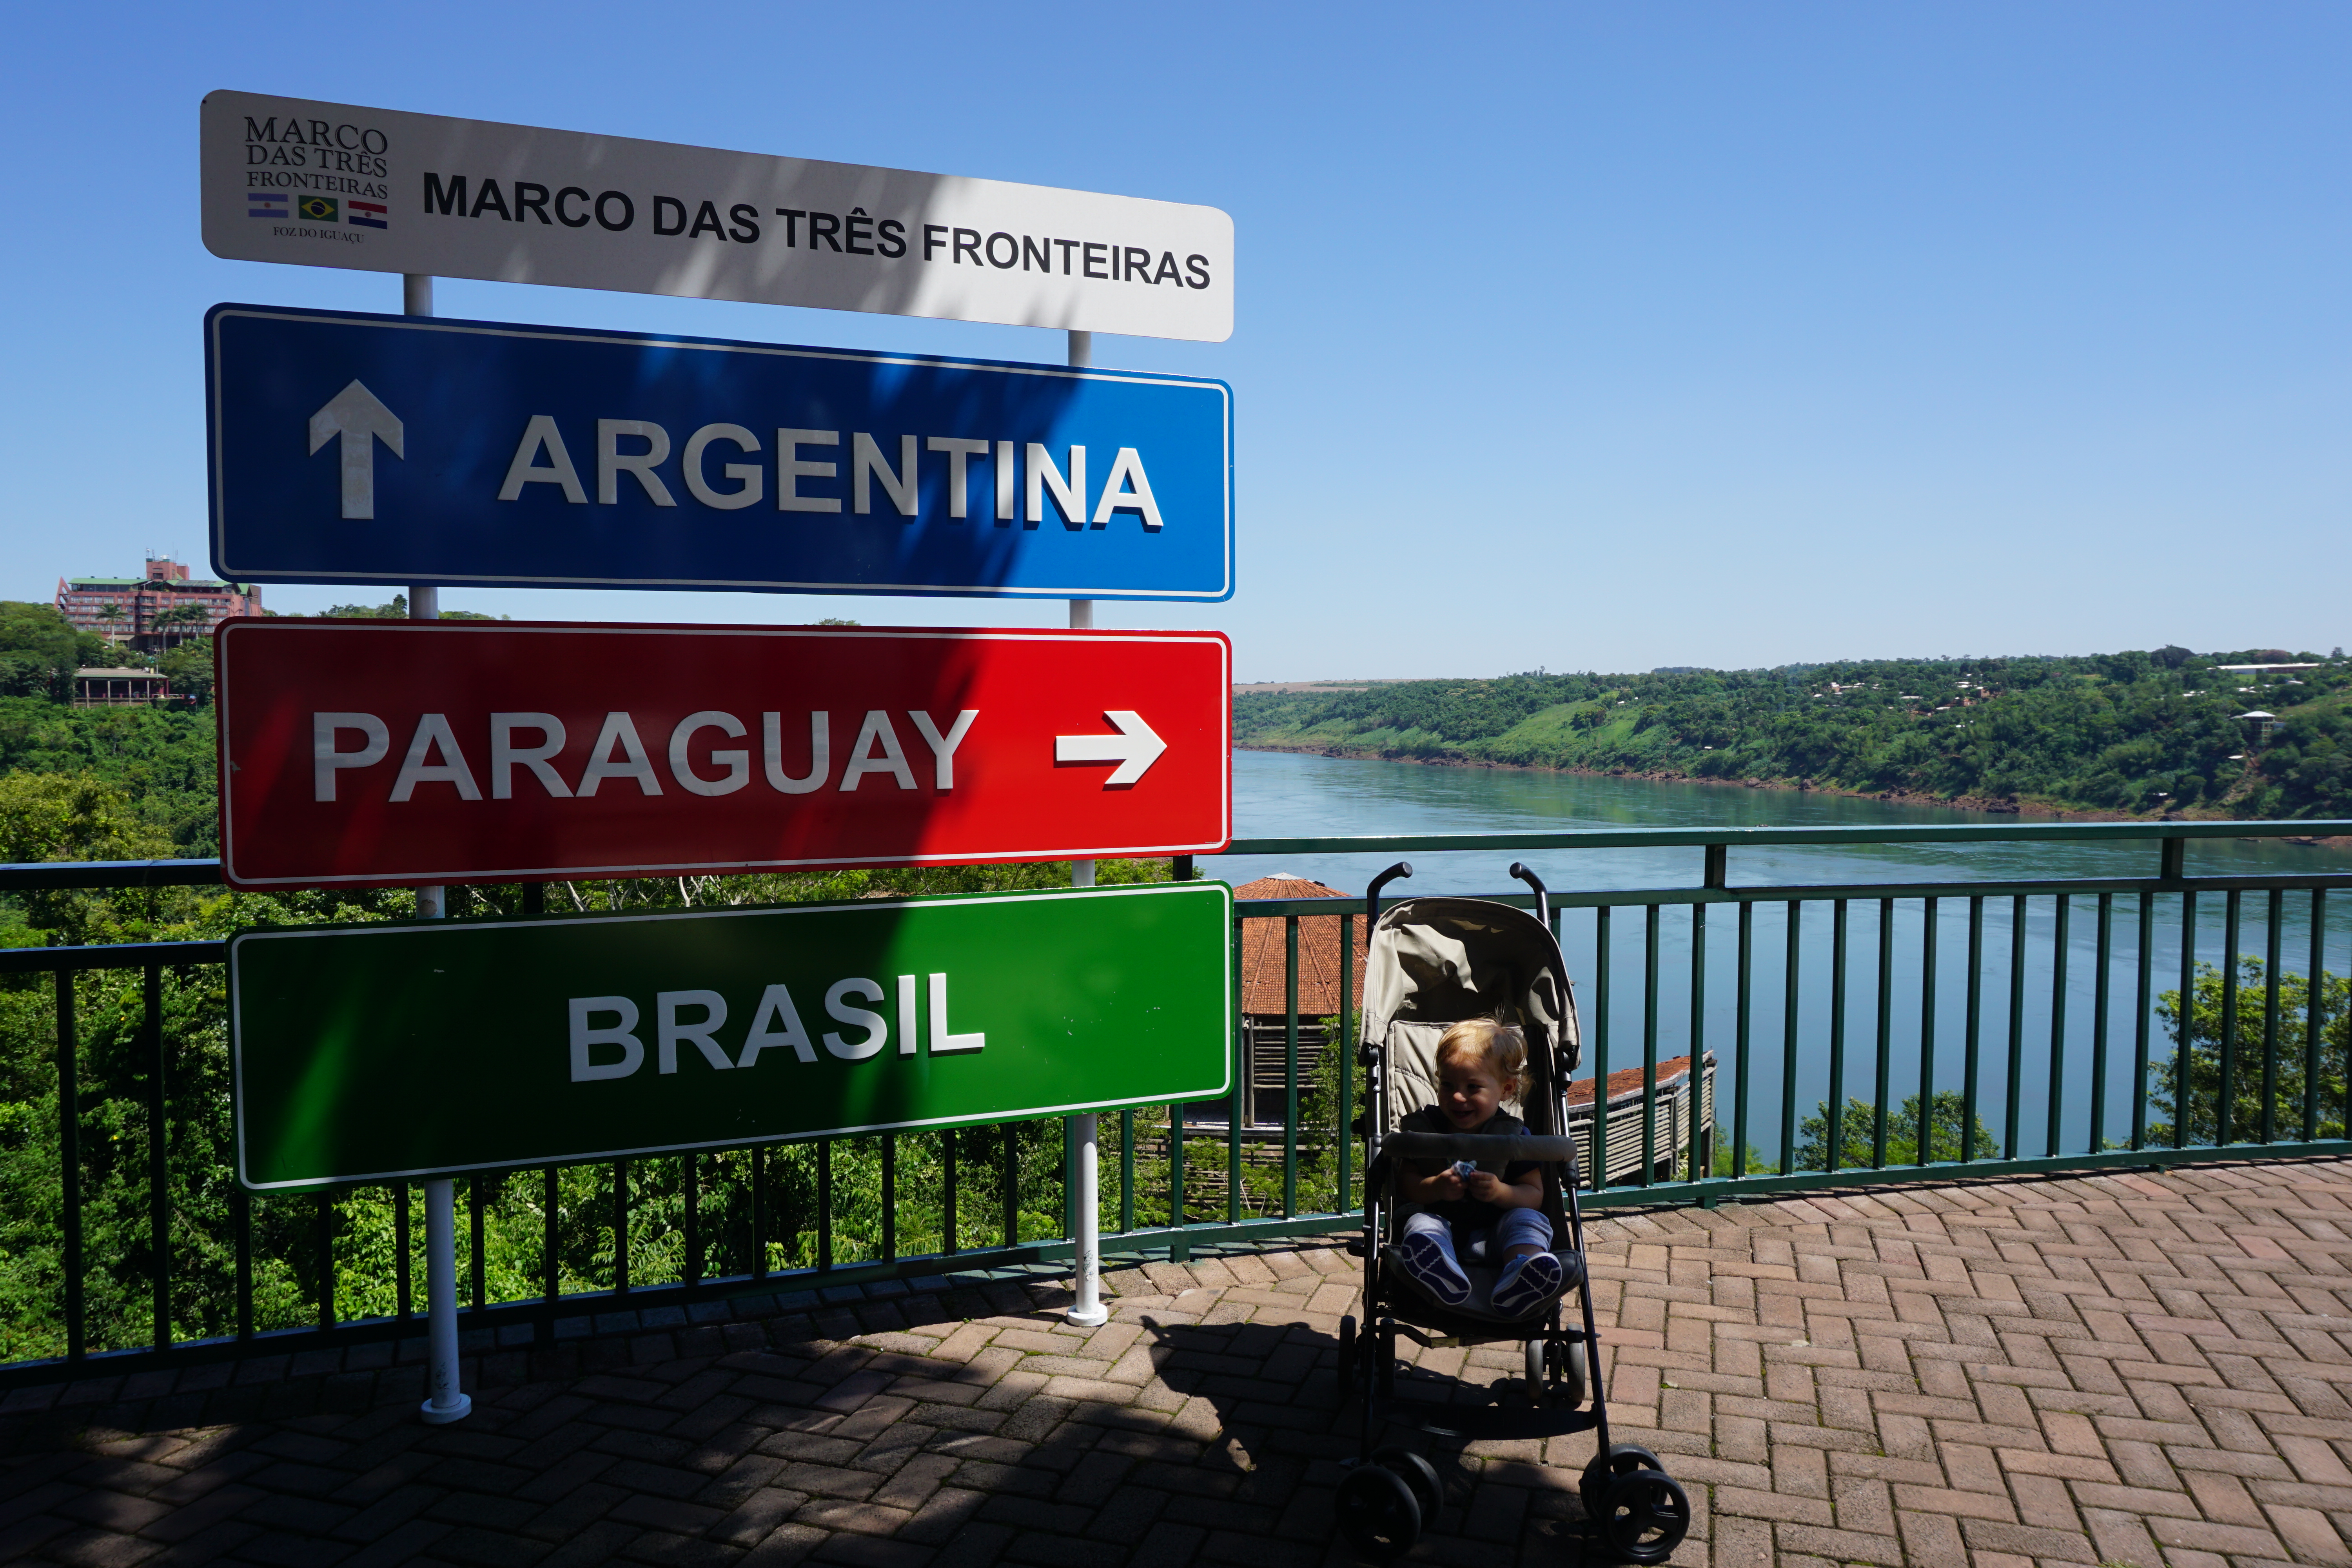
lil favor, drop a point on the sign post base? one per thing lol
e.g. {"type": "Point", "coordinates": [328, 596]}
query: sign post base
{"type": "Point", "coordinates": [447, 1401]}
{"type": "Point", "coordinates": [1089, 1313]}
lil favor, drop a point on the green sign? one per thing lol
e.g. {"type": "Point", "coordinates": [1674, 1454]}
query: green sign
{"type": "Point", "coordinates": [377, 1052]}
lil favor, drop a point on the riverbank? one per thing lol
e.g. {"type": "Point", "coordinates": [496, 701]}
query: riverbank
{"type": "Point", "coordinates": [2028, 808]}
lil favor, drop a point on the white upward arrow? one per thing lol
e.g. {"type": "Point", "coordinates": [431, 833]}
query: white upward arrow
{"type": "Point", "coordinates": [1135, 748]}
{"type": "Point", "coordinates": [360, 417]}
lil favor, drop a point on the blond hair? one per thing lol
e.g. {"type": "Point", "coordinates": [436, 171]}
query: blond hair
{"type": "Point", "coordinates": [1501, 1048]}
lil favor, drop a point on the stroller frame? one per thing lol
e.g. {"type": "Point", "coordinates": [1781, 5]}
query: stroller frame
{"type": "Point", "coordinates": [1392, 1492]}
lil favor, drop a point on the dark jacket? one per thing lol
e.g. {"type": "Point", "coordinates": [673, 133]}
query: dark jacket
{"type": "Point", "coordinates": [1467, 1210]}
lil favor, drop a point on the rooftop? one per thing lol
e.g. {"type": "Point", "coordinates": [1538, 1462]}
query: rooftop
{"type": "Point", "coordinates": [1263, 942]}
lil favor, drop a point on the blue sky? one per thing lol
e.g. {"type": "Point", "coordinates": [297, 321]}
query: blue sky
{"type": "Point", "coordinates": [1569, 336]}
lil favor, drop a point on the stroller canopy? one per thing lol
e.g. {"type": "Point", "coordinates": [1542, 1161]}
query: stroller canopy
{"type": "Point", "coordinates": [1434, 961]}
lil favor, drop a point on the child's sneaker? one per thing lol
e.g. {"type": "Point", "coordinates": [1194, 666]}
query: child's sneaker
{"type": "Point", "coordinates": [1434, 1272]}
{"type": "Point", "coordinates": [1526, 1283]}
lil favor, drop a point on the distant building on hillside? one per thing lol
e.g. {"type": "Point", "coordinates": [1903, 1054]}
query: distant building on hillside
{"type": "Point", "coordinates": [96, 687]}
{"type": "Point", "coordinates": [153, 612]}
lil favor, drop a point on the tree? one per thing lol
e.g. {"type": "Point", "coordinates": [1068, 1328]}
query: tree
{"type": "Point", "coordinates": [189, 668]}
{"type": "Point", "coordinates": [168, 623]}
{"type": "Point", "coordinates": [1859, 1134]}
{"type": "Point", "coordinates": [41, 649]}
{"type": "Point", "coordinates": [2204, 1015]}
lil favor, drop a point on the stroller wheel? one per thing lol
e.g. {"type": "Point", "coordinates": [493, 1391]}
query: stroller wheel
{"type": "Point", "coordinates": [1378, 1512]}
{"type": "Point", "coordinates": [1347, 1357]}
{"type": "Point", "coordinates": [1623, 1459]}
{"type": "Point", "coordinates": [1418, 1474]}
{"type": "Point", "coordinates": [1648, 1515]}
{"type": "Point", "coordinates": [1570, 1385]}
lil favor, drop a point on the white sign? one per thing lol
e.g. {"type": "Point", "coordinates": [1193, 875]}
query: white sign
{"type": "Point", "coordinates": [327, 184]}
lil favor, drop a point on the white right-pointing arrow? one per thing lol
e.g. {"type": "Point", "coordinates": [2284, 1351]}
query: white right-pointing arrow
{"type": "Point", "coordinates": [1135, 748]}
{"type": "Point", "coordinates": [360, 417]}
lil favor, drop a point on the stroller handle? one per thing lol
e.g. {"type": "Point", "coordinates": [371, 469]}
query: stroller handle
{"type": "Point", "coordinates": [1543, 898]}
{"type": "Point", "coordinates": [1372, 894]}
{"type": "Point", "coordinates": [1509, 1147]}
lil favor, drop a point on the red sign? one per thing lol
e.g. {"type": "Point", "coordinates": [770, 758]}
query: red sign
{"type": "Point", "coordinates": [423, 752]}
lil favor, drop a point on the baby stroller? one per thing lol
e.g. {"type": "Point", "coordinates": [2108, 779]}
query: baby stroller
{"type": "Point", "coordinates": [1434, 963]}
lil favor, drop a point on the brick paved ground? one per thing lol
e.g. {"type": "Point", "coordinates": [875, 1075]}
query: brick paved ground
{"type": "Point", "coordinates": [2127, 1369]}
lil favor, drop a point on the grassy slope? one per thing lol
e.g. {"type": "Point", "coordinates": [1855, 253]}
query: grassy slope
{"type": "Point", "coordinates": [2120, 732]}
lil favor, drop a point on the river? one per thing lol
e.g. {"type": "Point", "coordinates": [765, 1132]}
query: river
{"type": "Point", "coordinates": [1289, 795]}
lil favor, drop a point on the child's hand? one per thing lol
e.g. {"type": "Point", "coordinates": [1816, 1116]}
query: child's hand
{"type": "Point", "coordinates": [1484, 1186]}
{"type": "Point", "coordinates": [1446, 1187]}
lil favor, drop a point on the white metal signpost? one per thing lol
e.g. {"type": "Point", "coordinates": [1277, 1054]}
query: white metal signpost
{"type": "Point", "coordinates": [331, 185]}
{"type": "Point", "coordinates": [314, 183]}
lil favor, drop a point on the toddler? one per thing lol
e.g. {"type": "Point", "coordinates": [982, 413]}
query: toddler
{"type": "Point", "coordinates": [1479, 1064]}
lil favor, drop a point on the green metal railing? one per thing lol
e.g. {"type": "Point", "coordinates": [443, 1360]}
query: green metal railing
{"type": "Point", "coordinates": [2264, 1084]}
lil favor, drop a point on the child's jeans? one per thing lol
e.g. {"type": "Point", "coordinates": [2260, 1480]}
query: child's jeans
{"type": "Point", "coordinates": [1487, 1243]}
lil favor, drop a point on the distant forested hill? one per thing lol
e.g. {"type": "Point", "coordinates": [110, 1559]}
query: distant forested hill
{"type": "Point", "coordinates": [2143, 733]}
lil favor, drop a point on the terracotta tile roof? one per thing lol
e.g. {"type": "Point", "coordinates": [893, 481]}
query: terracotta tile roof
{"type": "Point", "coordinates": [1671, 1070]}
{"type": "Point", "coordinates": [1319, 953]}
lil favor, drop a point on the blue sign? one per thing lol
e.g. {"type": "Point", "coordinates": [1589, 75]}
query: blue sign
{"type": "Point", "coordinates": [362, 449]}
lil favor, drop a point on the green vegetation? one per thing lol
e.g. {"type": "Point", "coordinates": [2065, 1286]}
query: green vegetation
{"type": "Point", "coordinates": [1861, 1140]}
{"type": "Point", "coordinates": [2211, 1007]}
{"type": "Point", "coordinates": [2151, 733]}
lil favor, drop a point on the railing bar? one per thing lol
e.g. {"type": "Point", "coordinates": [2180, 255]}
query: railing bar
{"type": "Point", "coordinates": [2225, 1124]}
{"type": "Point", "coordinates": [403, 1262]}
{"type": "Point", "coordinates": [1972, 1033]}
{"type": "Point", "coordinates": [948, 1241]}
{"type": "Point", "coordinates": [2276, 918]}
{"type": "Point", "coordinates": [1069, 1125]}
{"type": "Point", "coordinates": [1835, 1133]}
{"type": "Point", "coordinates": [69, 1160]}
{"type": "Point", "coordinates": [202, 872]}
{"type": "Point", "coordinates": [691, 1174]}
{"type": "Point", "coordinates": [1237, 1032]}
{"type": "Point", "coordinates": [159, 1195]}
{"type": "Point", "coordinates": [2315, 1015]}
{"type": "Point", "coordinates": [1927, 934]}
{"type": "Point", "coordinates": [1009, 1193]}
{"type": "Point", "coordinates": [620, 1228]}
{"type": "Point", "coordinates": [241, 1216]}
{"type": "Point", "coordinates": [1884, 1070]}
{"type": "Point", "coordinates": [1290, 1066]}
{"type": "Point", "coordinates": [2060, 949]}
{"type": "Point", "coordinates": [825, 1203]}
{"type": "Point", "coordinates": [1743, 1011]}
{"type": "Point", "coordinates": [1650, 1045]}
{"type": "Point", "coordinates": [2016, 1025]}
{"type": "Point", "coordinates": [889, 1197]}
{"type": "Point", "coordinates": [474, 1241]}
{"type": "Point", "coordinates": [1345, 1130]}
{"type": "Point", "coordinates": [2099, 999]}
{"type": "Point", "coordinates": [1175, 1171]}
{"type": "Point", "coordinates": [550, 1263]}
{"type": "Point", "coordinates": [1788, 1008]}
{"type": "Point", "coordinates": [1125, 1170]}
{"type": "Point", "coordinates": [2140, 1021]}
{"type": "Point", "coordinates": [1601, 989]}
{"type": "Point", "coordinates": [1696, 1093]}
{"type": "Point", "coordinates": [323, 1238]}
{"type": "Point", "coordinates": [760, 1210]}
{"type": "Point", "coordinates": [2186, 1031]}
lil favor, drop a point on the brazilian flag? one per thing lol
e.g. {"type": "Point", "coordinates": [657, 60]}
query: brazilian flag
{"type": "Point", "coordinates": [317, 209]}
